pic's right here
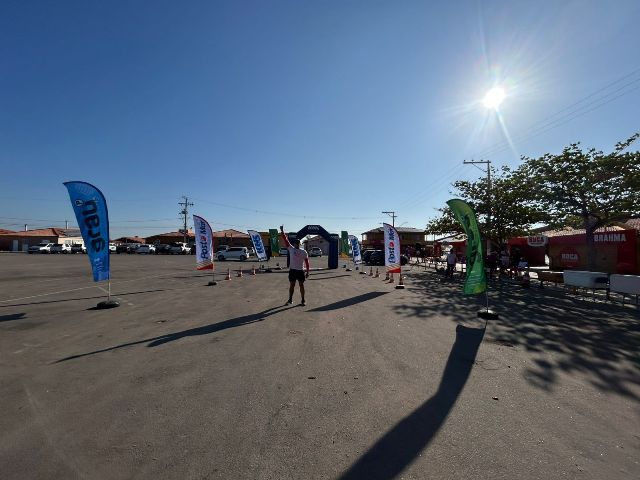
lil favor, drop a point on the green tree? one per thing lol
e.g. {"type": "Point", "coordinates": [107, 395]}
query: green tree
{"type": "Point", "coordinates": [506, 200]}
{"type": "Point", "coordinates": [595, 188]}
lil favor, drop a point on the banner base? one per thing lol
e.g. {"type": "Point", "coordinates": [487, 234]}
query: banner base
{"type": "Point", "coordinates": [211, 283]}
{"type": "Point", "coordinates": [399, 287]}
{"type": "Point", "coordinates": [107, 304]}
{"type": "Point", "coordinates": [487, 314]}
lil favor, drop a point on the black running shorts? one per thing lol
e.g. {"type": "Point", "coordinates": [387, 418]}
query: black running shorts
{"type": "Point", "coordinates": [296, 275]}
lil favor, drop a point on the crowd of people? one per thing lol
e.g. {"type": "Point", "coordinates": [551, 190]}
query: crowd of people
{"type": "Point", "coordinates": [505, 263]}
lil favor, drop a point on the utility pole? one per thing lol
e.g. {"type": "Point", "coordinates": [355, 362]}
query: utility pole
{"type": "Point", "coordinates": [393, 217]}
{"type": "Point", "coordinates": [185, 212]}
{"type": "Point", "coordinates": [488, 164]}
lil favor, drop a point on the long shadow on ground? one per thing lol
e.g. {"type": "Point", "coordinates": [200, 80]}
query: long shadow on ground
{"type": "Point", "coordinates": [400, 445]}
{"type": "Point", "coordinates": [204, 330]}
{"type": "Point", "coordinates": [347, 302]}
{"type": "Point", "coordinates": [12, 316]}
{"type": "Point", "coordinates": [81, 298]}
{"type": "Point", "coordinates": [601, 341]}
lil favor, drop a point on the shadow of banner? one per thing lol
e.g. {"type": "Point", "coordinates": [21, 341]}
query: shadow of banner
{"type": "Point", "coordinates": [399, 446]}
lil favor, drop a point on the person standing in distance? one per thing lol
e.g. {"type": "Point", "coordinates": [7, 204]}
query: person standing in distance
{"type": "Point", "coordinates": [297, 258]}
{"type": "Point", "coordinates": [452, 259]}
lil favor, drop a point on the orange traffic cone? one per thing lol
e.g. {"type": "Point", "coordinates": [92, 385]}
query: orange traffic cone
{"type": "Point", "coordinates": [253, 270]}
{"type": "Point", "coordinates": [240, 272]}
{"type": "Point", "coordinates": [228, 274]}
{"type": "Point", "coordinates": [377, 275]}
{"type": "Point", "coordinates": [400, 283]}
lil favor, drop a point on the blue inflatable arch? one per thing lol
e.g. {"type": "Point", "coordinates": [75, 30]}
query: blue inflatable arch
{"type": "Point", "coordinates": [332, 238]}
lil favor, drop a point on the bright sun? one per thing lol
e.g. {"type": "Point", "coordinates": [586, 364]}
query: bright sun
{"type": "Point", "coordinates": [494, 98]}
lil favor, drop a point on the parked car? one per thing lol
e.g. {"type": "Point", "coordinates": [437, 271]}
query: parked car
{"type": "Point", "coordinates": [233, 253]}
{"type": "Point", "coordinates": [60, 248]}
{"type": "Point", "coordinates": [179, 248]}
{"type": "Point", "coordinates": [80, 248]}
{"type": "Point", "coordinates": [42, 247]}
{"type": "Point", "coordinates": [146, 249]}
{"type": "Point", "coordinates": [112, 248]}
{"type": "Point", "coordinates": [284, 252]}
{"type": "Point", "coordinates": [163, 249]}
{"type": "Point", "coordinates": [221, 248]}
{"type": "Point", "coordinates": [315, 252]}
{"type": "Point", "coordinates": [366, 255]}
{"type": "Point", "coordinates": [376, 257]}
{"type": "Point", "coordinates": [125, 248]}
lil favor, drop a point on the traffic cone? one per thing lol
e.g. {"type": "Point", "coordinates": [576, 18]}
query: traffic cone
{"type": "Point", "coordinates": [371, 272]}
{"type": "Point", "coordinates": [400, 283]}
{"type": "Point", "coordinates": [377, 275]}
{"type": "Point", "coordinates": [240, 272]}
{"type": "Point", "coordinates": [386, 278]}
{"type": "Point", "coordinates": [228, 274]}
{"type": "Point", "coordinates": [253, 270]}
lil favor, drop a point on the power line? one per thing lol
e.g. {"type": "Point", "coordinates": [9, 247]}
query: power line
{"type": "Point", "coordinates": [558, 118]}
{"type": "Point", "coordinates": [281, 214]}
{"type": "Point", "coordinates": [393, 217]}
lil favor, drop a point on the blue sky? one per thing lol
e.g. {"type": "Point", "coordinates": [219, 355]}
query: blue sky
{"type": "Point", "coordinates": [329, 110]}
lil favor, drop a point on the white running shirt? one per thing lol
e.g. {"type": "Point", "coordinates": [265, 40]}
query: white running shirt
{"type": "Point", "coordinates": [296, 258]}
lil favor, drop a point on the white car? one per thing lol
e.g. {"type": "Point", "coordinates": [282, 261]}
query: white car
{"type": "Point", "coordinates": [179, 248]}
{"type": "Point", "coordinates": [43, 247]}
{"type": "Point", "coordinates": [146, 249]}
{"type": "Point", "coordinates": [315, 252]}
{"type": "Point", "coordinates": [234, 253]}
{"type": "Point", "coordinates": [60, 248]}
{"type": "Point", "coordinates": [112, 248]}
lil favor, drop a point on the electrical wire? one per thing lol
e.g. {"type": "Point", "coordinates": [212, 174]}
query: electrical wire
{"type": "Point", "coordinates": [575, 110]}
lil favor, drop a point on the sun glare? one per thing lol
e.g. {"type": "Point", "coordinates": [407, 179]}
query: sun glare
{"type": "Point", "coordinates": [494, 98]}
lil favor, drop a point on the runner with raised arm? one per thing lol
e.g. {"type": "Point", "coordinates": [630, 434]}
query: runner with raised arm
{"type": "Point", "coordinates": [297, 258]}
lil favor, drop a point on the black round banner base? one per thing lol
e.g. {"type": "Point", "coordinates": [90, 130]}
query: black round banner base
{"type": "Point", "coordinates": [487, 314]}
{"type": "Point", "coordinates": [349, 270]}
{"type": "Point", "coordinates": [211, 283]}
{"type": "Point", "coordinates": [399, 287]}
{"type": "Point", "coordinates": [107, 304]}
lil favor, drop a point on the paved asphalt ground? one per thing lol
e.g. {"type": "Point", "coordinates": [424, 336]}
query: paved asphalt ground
{"type": "Point", "coordinates": [185, 381]}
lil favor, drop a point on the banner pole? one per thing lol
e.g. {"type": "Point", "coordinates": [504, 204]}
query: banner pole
{"type": "Point", "coordinates": [213, 261]}
{"type": "Point", "coordinates": [109, 288]}
{"type": "Point", "coordinates": [486, 291]}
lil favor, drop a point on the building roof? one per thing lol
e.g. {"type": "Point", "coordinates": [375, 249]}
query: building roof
{"type": "Point", "coordinates": [134, 239]}
{"type": "Point", "coordinates": [46, 232]}
{"type": "Point", "coordinates": [172, 234]}
{"type": "Point", "coordinates": [3, 231]}
{"type": "Point", "coordinates": [631, 224]}
{"type": "Point", "coordinates": [398, 229]}
{"type": "Point", "coordinates": [230, 233]}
